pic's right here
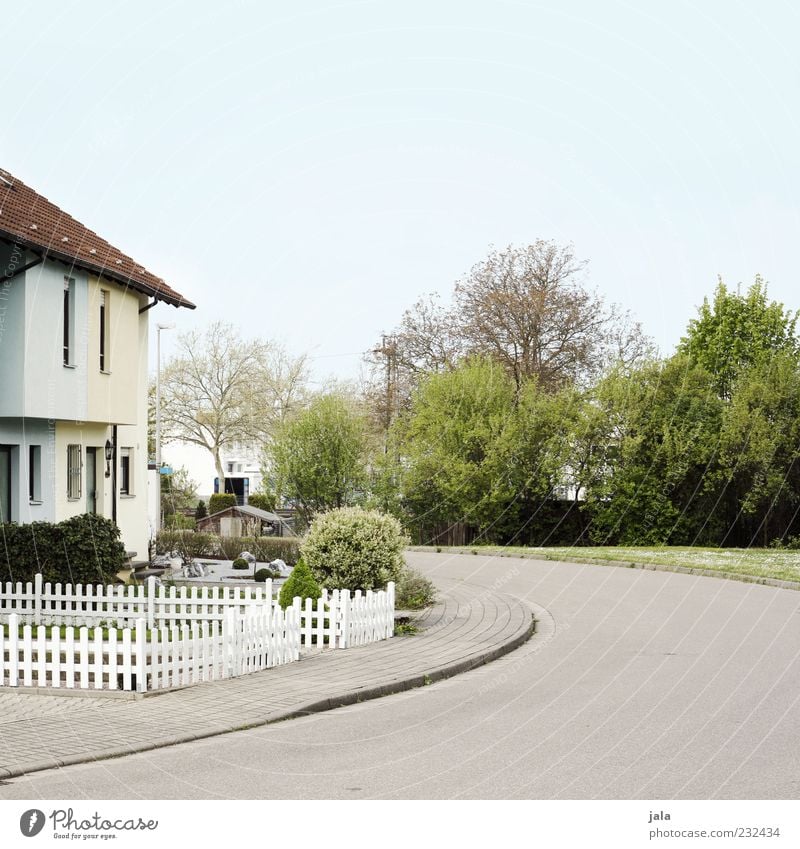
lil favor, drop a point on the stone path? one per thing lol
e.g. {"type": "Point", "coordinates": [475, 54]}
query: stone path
{"type": "Point", "coordinates": [468, 627]}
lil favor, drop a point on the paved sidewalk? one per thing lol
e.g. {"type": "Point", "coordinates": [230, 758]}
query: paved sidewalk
{"type": "Point", "coordinates": [468, 627]}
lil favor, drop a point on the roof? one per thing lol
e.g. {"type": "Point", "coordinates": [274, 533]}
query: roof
{"type": "Point", "coordinates": [254, 512]}
{"type": "Point", "coordinates": [32, 221]}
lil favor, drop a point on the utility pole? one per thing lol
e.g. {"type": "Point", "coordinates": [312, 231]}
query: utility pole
{"type": "Point", "coordinates": [388, 351]}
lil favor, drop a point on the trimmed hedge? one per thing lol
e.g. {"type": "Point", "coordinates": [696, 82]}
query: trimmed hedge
{"type": "Point", "coordinates": [262, 501]}
{"type": "Point", "coordinates": [264, 549]}
{"type": "Point", "coordinates": [84, 549]}
{"type": "Point", "coordinates": [220, 501]}
{"type": "Point", "coordinates": [355, 549]}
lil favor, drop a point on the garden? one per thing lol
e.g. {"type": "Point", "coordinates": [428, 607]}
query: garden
{"type": "Point", "coordinates": [152, 636]}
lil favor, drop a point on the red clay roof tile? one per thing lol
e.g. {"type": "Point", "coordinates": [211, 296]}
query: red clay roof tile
{"type": "Point", "coordinates": [29, 219]}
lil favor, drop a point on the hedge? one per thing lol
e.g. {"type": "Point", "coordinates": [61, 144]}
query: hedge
{"type": "Point", "coordinates": [264, 549]}
{"type": "Point", "coordinates": [85, 549]}
{"type": "Point", "coordinates": [221, 501]}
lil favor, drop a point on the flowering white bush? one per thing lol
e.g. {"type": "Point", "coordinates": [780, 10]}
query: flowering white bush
{"type": "Point", "coordinates": [355, 549]}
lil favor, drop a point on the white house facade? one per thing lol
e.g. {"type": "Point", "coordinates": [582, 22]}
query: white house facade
{"type": "Point", "coordinates": [74, 315]}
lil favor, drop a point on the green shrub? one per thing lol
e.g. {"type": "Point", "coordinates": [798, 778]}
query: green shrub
{"type": "Point", "coordinates": [83, 549]}
{"type": "Point", "coordinates": [262, 501]}
{"type": "Point", "coordinates": [263, 574]}
{"type": "Point", "coordinates": [179, 522]}
{"type": "Point", "coordinates": [229, 548]}
{"type": "Point", "coordinates": [352, 548]}
{"type": "Point", "coordinates": [240, 563]}
{"type": "Point", "coordinates": [413, 590]}
{"type": "Point", "coordinates": [274, 548]}
{"type": "Point", "coordinates": [300, 583]}
{"type": "Point", "coordinates": [190, 545]}
{"type": "Point", "coordinates": [200, 512]}
{"type": "Point", "coordinates": [166, 541]}
{"type": "Point", "coordinates": [220, 501]}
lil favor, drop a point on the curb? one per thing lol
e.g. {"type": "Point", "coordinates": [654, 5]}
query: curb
{"type": "Point", "coordinates": [623, 564]}
{"type": "Point", "coordinates": [329, 703]}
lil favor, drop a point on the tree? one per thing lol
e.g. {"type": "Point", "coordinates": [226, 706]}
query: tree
{"type": "Point", "coordinates": [317, 457]}
{"type": "Point", "coordinates": [649, 472]}
{"type": "Point", "coordinates": [759, 471]}
{"type": "Point", "coordinates": [220, 390]}
{"type": "Point", "coordinates": [178, 491]}
{"type": "Point", "coordinates": [526, 308]}
{"type": "Point", "coordinates": [737, 331]}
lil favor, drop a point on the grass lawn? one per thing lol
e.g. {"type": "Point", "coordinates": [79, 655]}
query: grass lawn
{"type": "Point", "coordinates": [755, 562]}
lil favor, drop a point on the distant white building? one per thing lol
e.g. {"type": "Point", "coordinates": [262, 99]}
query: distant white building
{"type": "Point", "coordinates": [242, 467]}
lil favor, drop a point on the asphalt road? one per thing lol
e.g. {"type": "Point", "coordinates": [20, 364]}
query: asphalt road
{"type": "Point", "coordinates": [639, 685]}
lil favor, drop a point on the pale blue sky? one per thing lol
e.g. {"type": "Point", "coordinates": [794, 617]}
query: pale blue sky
{"type": "Point", "coordinates": [307, 170]}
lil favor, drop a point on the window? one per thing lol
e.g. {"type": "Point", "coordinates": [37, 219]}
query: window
{"type": "Point", "coordinates": [34, 472]}
{"type": "Point", "coordinates": [5, 483]}
{"type": "Point", "coordinates": [69, 318]}
{"type": "Point", "coordinates": [230, 468]}
{"type": "Point", "coordinates": [125, 477]}
{"type": "Point", "coordinates": [104, 327]}
{"type": "Point", "coordinates": [73, 472]}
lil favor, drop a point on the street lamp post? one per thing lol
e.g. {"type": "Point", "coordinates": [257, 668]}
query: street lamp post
{"type": "Point", "coordinates": [159, 328]}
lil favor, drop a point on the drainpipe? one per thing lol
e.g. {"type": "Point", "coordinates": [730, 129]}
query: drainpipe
{"type": "Point", "coordinates": [114, 474]}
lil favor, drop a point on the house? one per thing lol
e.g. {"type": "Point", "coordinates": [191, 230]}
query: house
{"type": "Point", "coordinates": [73, 388]}
{"type": "Point", "coordinates": [244, 521]}
{"type": "Point", "coordinates": [241, 463]}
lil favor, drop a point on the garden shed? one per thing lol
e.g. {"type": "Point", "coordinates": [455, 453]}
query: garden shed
{"type": "Point", "coordinates": [242, 520]}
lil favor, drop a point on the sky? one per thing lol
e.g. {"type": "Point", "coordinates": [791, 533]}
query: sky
{"type": "Point", "coordinates": [308, 170]}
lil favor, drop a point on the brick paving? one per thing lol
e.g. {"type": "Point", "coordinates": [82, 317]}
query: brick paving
{"type": "Point", "coordinates": [469, 626]}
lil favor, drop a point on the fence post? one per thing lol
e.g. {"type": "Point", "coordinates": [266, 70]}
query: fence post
{"type": "Point", "coordinates": [141, 665]}
{"type": "Point", "coordinates": [344, 602]}
{"type": "Point", "coordinates": [13, 649]}
{"type": "Point", "coordinates": [37, 598]}
{"type": "Point", "coordinates": [151, 602]}
{"type": "Point", "coordinates": [390, 612]}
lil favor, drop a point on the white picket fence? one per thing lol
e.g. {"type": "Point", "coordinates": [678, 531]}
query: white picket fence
{"type": "Point", "coordinates": [39, 603]}
{"type": "Point", "coordinates": [142, 660]}
{"type": "Point", "coordinates": [91, 638]}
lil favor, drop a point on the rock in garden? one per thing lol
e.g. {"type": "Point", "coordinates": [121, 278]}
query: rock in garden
{"type": "Point", "coordinates": [245, 555]}
{"type": "Point", "coordinates": [281, 567]}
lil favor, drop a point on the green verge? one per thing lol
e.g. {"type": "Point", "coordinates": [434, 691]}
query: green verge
{"type": "Point", "coordinates": [758, 563]}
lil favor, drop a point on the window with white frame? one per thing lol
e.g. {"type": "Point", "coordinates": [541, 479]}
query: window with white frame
{"type": "Point", "coordinates": [69, 321]}
{"type": "Point", "coordinates": [104, 331]}
{"type": "Point", "coordinates": [125, 471]}
{"type": "Point", "coordinates": [73, 472]}
{"type": "Point", "coordinates": [34, 473]}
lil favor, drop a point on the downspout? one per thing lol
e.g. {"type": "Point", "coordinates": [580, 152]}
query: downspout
{"type": "Point", "coordinates": [114, 474]}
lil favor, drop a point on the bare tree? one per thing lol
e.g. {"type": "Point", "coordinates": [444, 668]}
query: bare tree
{"type": "Point", "coordinates": [219, 390]}
{"type": "Point", "coordinates": [527, 308]}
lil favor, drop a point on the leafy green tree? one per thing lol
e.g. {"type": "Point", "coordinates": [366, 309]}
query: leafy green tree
{"type": "Point", "coordinates": [318, 456]}
{"type": "Point", "coordinates": [736, 331]}
{"type": "Point", "coordinates": [448, 443]}
{"type": "Point", "coordinates": [178, 491]}
{"type": "Point", "coordinates": [649, 475]}
{"type": "Point", "coordinates": [759, 474]}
